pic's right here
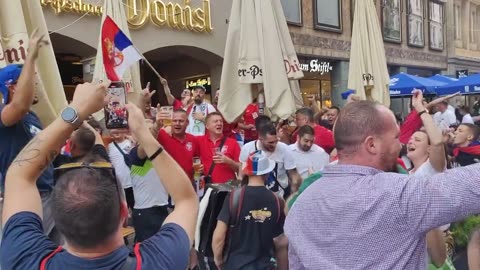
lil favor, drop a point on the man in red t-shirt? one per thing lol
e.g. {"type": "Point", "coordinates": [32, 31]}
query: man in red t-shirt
{"type": "Point", "coordinates": [228, 128]}
{"type": "Point", "coordinates": [323, 136]}
{"type": "Point", "coordinates": [248, 125]}
{"type": "Point", "coordinates": [225, 159]}
{"type": "Point", "coordinates": [180, 145]}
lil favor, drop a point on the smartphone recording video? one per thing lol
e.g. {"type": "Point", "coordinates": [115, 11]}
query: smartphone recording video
{"type": "Point", "coordinates": [115, 112]}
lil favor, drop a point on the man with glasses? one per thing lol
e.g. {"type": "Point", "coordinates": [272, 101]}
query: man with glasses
{"type": "Point", "coordinates": [86, 211]}
{"type": "Point", "coordinates": [18, 124]}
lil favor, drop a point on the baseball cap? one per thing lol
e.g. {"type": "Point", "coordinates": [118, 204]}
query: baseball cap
{"type": "Point", "coordinates": [8, 75]}
{"type": "Point", "coordinates": [258, 164]}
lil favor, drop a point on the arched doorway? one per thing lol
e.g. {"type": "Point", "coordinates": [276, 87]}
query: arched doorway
{"type": "Point", "coordinates": [183, 66]}
{"type": "Point", "coordinates": [69, 53]}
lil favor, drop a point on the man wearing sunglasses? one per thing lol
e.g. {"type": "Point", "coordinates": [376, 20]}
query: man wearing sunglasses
{"type": "Point", "coordinates": [89, 208]}
{"type": "Point", "coordinates": [18, 124]}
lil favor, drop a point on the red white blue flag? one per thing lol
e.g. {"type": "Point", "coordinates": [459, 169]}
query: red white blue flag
{"type": "Point", "coordinates": [118, 51]}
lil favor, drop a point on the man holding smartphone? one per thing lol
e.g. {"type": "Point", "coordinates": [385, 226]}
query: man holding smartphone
{"type": "Point", "coordinates": [198, 111]}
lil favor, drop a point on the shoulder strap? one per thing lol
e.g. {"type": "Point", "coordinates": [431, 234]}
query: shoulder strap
{"type": "Point", "coordinates": [43, 263]}
{"type": "Point", "coordinates": [235, 206]}
{"type": "Point", "coordinates": [118, 147]}
{"type": "Point", "coordinates": [131, 261]}
{"type": "Point", "coordinates": [189, 109]}
{"type": "Point", "coordinates": [279, 206]}
{"type": "Point", "coordinates": [210, 171]}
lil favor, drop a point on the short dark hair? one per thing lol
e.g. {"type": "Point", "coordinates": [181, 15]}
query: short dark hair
{"type": "Point", "coordinates": [262, 120]}
{"type": "Point", "coordinates": [95, 124]}
{"type": "Point", "coordinates": [86, 206]}
{"type": "Point", "coordinates": [474, 129]}
{"type": "Point", "coordinates": [335, 108]}
{"type": "Point", "coordinates": [267, 129]}
{"type": "Point", "coordinates": [84, 139]}
{"type": "Point", "coordinates": [306, 130]}
{"type": "Point", "coordinates": [307, 112]}
{"type": "Point", "coordinates": [179, 111]}
{"type": "Point", "coordinates": [355, 123]}
{"type": "Point", "coordinates": [210, 115]}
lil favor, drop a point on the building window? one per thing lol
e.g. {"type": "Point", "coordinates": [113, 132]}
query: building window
{"type": "Point", "coordinates": [415, 23]}
{"type": "Point", "coordinates": [457, 22]}
{"type": "Point", "coordinates": [436, 18]}
{"type": "Point", "coordinates": [391, 21]}
{"type": "Point", "coordinates": [328, 15]}
{"type": "Point", "coordinates": [293, 11]}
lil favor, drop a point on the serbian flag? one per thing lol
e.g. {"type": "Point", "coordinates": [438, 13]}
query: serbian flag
{"type": "Point", "coordinates": [118, 51]}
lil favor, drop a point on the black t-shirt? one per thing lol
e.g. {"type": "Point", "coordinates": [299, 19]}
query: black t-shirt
{"type": "Point", "coordinates": [465, 159]}
{"type": "Point", "coordinates": [252, 239]}
{"type": "Point", "coordinates": [98, 150]}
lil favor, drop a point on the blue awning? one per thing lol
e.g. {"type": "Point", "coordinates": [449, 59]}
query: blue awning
{"type": "Point", "coordinates": [466, 86]}
{"type": "Point", "coordinates": [403, 84]}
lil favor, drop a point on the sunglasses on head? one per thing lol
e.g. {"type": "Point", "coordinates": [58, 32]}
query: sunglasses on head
{"type": "Point", "coordinates": [98, 165]}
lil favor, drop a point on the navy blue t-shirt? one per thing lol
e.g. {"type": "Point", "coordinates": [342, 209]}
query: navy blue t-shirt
{"type": "Point", "coordinates": [24, 245]}
{"type": "Point", "coordinates": [12, 141]}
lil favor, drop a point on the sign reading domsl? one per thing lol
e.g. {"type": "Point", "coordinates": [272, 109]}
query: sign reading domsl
{"type": "Point", "coordinates": [139, 12]}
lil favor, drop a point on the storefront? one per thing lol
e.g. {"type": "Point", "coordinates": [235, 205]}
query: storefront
{"type": "Point", "coordinates": [317, 79]}
{"type": "Point", "coordinates": [184, 40]}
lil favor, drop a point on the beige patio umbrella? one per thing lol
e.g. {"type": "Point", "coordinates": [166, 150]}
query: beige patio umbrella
{"type": "Point", "coordinates": [368, 73]}
{"type": "Point", "coordinates": [18, 19]}
{"type": "Point", "coordinates": [259, 50]}
{"type": "Point", "coordinates": [116, 10]}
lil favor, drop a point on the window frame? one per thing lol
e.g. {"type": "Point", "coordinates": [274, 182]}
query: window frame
{"type": "Point", "coordinates": [400, 10]}
{"type": "Point", "coordinates": [325, 27]}
{"type": "Point", "coordinates": [410, 14]}
{"type": "Point", "coordinates": [431, 22]}
{"type": "Point", "coordinates": [300, 6]}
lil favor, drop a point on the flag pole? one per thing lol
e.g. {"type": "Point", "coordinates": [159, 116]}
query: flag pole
{"type": "Point", "coordinates": [149, 64]}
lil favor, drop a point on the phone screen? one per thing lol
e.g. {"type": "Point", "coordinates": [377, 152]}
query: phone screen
{"type": "Point", "coordinates": [115, 111]}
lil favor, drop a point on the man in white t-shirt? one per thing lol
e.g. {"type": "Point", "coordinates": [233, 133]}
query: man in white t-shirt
{"type": "Point", "coordinates": [151, 199]}
{"type": "Point", "coordinates": [285, 168]}
{"type": "Point", "coordinates": [118, 151]}
{"type": "Point", "coordinates": [309, 157]}
{"type": "Point", "coordinates": [198, 111]}
{"type": "Point", "coordinates": [444, 118]}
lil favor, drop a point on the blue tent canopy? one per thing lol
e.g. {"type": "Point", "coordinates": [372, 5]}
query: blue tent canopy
{"type": "Point", "coordinates": [466, 86]}
{"type": "Point", "coordinates": [403, 84]}
{"type": "Point", "coordinates": [442, 78]}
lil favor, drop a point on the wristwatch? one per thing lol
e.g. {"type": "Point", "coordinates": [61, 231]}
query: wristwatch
{"type": "Point", "coordinates": [70, 116]}
{"type": "Point", "coordinates": [422, 112]}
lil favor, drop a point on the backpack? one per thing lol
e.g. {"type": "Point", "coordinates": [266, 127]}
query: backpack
{"type": "Point", "coordinates": [235, 204]}
{"type": "Point", "coordinates": [137, 260]}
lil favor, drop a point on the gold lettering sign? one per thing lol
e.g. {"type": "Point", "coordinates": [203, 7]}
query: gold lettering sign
{"type": "Point", "coordinates": [201, 81]}
{"type": "Point", "coordinates": [139, 12]}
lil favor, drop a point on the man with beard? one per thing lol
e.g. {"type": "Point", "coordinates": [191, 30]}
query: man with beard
{"type": "Point", "coordinates": [308, 156]}
{"type": "Point", "coordinates": [323, 136]}
{"type": "Point", "coordinates": [467, 146]}
{"type": "Point", "coordinates": [382, 217]}
{"type": "Point", "coordinates": [198, 111]}
{"type": "Point", "coordinates": [18, 124]}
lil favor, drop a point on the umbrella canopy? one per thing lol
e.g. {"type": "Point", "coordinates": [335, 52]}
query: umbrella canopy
{"type": "Point", "coordinates": [403, 84]}
{"type": "Point", "coordinates": [259, 50]}
{"type": "Point", "coordinates": [442, 78]}
{"type": "Point", "coordinates": [466, 86]}
{"type": "Point", "coordinates": [18, 19]}
{"type": "Point", "coordinates": [116, 10]}
{"type": "Point", "coordinates": [368, 64]}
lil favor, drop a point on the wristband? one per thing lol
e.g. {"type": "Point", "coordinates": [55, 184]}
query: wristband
{"type": "Point", "coordinates": [422, 112]}
{"type": "Point", "coordinates": [158, 152]}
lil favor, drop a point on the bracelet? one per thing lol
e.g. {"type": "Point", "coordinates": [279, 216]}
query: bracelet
{"type": "Point", "coordinates": [158, 152]}
{"type": "Point", "coordinates": [422, 112]}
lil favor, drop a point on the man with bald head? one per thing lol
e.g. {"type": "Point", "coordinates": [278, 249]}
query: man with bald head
{"type": "Point", "coordinates": [359, 215]}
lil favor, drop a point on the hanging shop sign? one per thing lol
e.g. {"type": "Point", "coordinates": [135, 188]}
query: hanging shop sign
{"type": "Point", "coordinates": [316, 66]}
{"type": "Point", "coordinates": [139, 12]}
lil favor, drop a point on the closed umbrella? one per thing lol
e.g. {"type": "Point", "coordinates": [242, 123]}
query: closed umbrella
{"type": "Point", "coordinates": [403, 84]}
{"type": "Point", "coordinates": [259, 50]}
{"type": "Point", "coordinates": [116, 10]}
{"type": "Point", "coordinates": [17, 20]}
{"type": "Point", "coordinates": [368, 73]}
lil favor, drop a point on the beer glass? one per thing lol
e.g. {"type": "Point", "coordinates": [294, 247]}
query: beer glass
{"type": "Point", "coordinates": [167, 110]}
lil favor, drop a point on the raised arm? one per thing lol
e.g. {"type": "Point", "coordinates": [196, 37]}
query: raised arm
{"type": "Point", "coordinates": [24, 95]}
{"type": "Point", "coordinates": [98, 137]}
{"type": "Point", "coordinates": [173, 178]}
{"type": "Point", "coordinates": [168, 93]}
{"type": "Point", "coordinates": [437, 150]}
{"type": "Point", "coordinates": [439, 100]}
{"type": "Point", "coordinates": [21, 193]}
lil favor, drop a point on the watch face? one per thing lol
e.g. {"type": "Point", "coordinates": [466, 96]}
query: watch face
{"type": "Point", "coordinates": [69, 114]}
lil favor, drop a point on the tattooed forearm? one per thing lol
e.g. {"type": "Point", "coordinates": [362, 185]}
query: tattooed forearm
{"type": "Point", "coordinates": [31, 155]}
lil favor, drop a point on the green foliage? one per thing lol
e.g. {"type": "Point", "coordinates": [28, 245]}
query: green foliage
{"type": "Point", "coordinates": [462, 230]}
